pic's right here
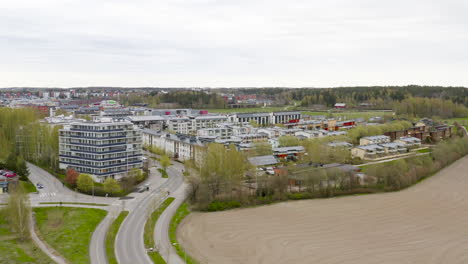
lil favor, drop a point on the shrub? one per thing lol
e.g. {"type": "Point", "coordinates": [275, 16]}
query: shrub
{"type": "Point", "coordinates": [220, 206]}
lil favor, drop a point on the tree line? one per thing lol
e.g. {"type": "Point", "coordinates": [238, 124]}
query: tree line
{"type": "Point", "coordinates": [225, 180]}
{"type": "Point", "coordinates": [379, 96]}
{"type": "Point", "coordinates": [430, 107]}
{"type": "Point", "coordinates": [185, 99]}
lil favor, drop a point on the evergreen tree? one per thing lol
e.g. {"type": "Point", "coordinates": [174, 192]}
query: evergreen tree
{"type": "Point", "coordinates": [22, 169]}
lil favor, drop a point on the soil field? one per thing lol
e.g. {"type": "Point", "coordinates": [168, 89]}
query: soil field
{"type": "Point", "coordinates": [426, 223]}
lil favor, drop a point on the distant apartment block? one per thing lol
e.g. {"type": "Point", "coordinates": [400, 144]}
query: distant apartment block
{"type": "Point", "coordinates": [102, 149]}
{"type": "Point", "coordinates": [268, 118]}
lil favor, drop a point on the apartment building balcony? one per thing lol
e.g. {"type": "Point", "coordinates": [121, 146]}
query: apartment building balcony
{"type": "Point", "coordinates": [91, 159]}
{"type": "Point", "coordinates": [93, 145]}
{"type": "Point", "coordinates": [101, 167]}
{"type": "Point", "coordinates": [93, 130]}
{"type": "Point", "coordinates": [96, 152]}
{"type": "Point", "coordinates": [97, 138]}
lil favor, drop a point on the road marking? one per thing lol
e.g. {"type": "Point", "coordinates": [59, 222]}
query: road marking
{"type": "Point", "coordinates": [47, 194]}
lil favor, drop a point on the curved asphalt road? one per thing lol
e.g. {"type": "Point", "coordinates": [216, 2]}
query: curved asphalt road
{"type": "Point", "coordinates": [55, 191]}
{"type": "Point", "coordinates": [129, 246]}
{"type": "Point", "coordinates": [161, 231]}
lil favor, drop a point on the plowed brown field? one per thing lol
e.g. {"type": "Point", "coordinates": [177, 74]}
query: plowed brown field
{"type": "Point", "coordinates": [426, 223]}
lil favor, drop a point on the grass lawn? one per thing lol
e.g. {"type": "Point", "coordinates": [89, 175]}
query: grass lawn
{"type": "Point", "coordinates": [250, 110]}
{"type": "Point", "coordinates": [13, 251]}
{"type": "Point", "coordinates": [110, 237]}
{"type": "Point", "coordinates": [458, 119]}
{"type": "Point", "coordinates": [423, 150]}
{"type": "Point", "coordinates": [68, 230]}
{"type": "Point", "coordinates": [163, 173]}
{"type": "Point", "coordinates": [94, 204]}
{"type": "Point", "coordinates": [28, 186]}
{"type": "Point", "coordinates": [148, 236]}
{"type": "Point", "coordinates": [350, 115]}
{"type": "Point", "coordinates": [181, 213]}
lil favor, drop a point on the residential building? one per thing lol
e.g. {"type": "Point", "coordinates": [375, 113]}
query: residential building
{"type": "Point", "coordinates": [153, 122]}
{"type": "Point", "coordinates": [409, 141]}
{"type": "Point", "coordinates": [102, 149]}
{"type": "Point", "coordinates": [268, 118]}
{"type": "Point", "coordinates": [368, 151]}
{"type": "Point", "coordinates": [371, 140]}
{"type": "Point", "coordinates": [393, 148]}
{"type": "Point", "coordinates": [294, 152]}
{"type": "Point", "coordinates": [215, 131]}
{"type": "Point", "coordinates": [340, 144]}
{"type": "Point", "coordinates": [180, 147]}
{"type": "Point", "coordinates": [262, 161]}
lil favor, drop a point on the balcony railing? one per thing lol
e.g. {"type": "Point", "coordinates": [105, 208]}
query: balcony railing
{"type": "Point", "coordinates": [102, 167]}
{"type": "Point", "coordinates": [91, 159]}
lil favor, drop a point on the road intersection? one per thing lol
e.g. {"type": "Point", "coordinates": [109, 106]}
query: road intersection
{"type": "Point", "coordinates": [129, 244]}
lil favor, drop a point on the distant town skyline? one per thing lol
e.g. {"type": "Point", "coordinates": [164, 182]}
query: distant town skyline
{"type": "Point", "coordinates": [207, 43]}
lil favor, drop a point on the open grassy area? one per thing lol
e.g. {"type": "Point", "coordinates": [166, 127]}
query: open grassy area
{"type": "Point", "coordinates": [423, 150]}
{"type": "Point", "coordinates": [110, 237]}
{"type": "Point", "coordinates": [350, 114]}
{"type": "Point", "coordinates": [181, 213]}
{"type": "Point", "coordinates": [93, 204]}
{"type": "Point", "coordinates": [28, 186]}
{"type": "Point", "coordinates": [13, 251]}
{"type": "Point", "coordinates": [250, 110]}
{"type": "Point", "coordinates": [68, 230]}
{"type": "Point", "coordinates": [148, 236]}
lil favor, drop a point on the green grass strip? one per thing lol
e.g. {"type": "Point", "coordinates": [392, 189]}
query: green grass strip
{"type": "Point", "coordinates": [69, 229]}
{"type": "Point", "coordinates": [163, 173]}
{"type": "Point", "coordinates": [180, 214]}
{"type": "Point", "coordinates": [110, 237]}
{"type": "Point", "coordinates": [28, 186]}
{"type": "Point", "coordinates": [148, 235]}
{"type": "Point", "coordinates": [426, 150]}
{"type": "Point", "coordinates": [93, 204]}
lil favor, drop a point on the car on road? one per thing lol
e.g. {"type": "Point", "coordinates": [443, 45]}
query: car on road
{"type": "Point", "coordinates": [39, 186]}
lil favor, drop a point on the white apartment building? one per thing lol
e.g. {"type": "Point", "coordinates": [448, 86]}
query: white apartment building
{"type": "Point", "coordinates": [190, 125]}
{"type": "Point", "coordinates": [181, 147]}
{"type": "Point", "coordinates": [215, 132]}
{"type": "Point", "coordinates": [268, 118]}
{"type": "Point", "coordinates": [102, 149]}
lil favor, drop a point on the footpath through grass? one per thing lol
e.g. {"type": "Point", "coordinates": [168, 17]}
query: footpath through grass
{"type": "Point", "coordinates": [69, 229]}
{"type": "Point", "coordinates": [181, 213]}
{"type": "Point", "coordinates": [13, 251]}
{"type": "Point", "coordinates": [110, 237]}
{"type": "Point", "coordinates": [148, 236]}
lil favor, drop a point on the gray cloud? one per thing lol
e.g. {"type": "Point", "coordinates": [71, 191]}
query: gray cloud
{"type": "Point", "coordinates": [232, 43]}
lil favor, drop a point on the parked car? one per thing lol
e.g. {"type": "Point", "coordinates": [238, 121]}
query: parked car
{"type": "Point", "coordinates": [8, 174]}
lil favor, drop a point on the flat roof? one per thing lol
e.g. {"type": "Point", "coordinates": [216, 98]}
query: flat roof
{"type": "Point", "coordinates": [263, 160]}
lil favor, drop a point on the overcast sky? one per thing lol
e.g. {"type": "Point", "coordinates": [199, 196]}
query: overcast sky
{"type": "Point", "coordinates": [231, 43]}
